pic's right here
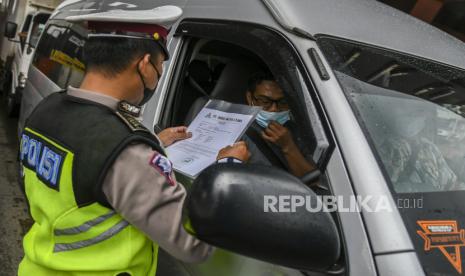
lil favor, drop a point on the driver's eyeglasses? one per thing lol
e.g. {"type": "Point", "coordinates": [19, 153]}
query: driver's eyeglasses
{"type": "Point", "coordinates": [267, 102]}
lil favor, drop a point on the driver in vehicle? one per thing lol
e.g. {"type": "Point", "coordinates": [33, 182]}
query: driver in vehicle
{"type": "Point", "coordinates": [273, 139]}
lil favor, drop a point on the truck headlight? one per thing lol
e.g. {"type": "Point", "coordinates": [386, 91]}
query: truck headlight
{"type": "Point", "coordinates": [22, 80]}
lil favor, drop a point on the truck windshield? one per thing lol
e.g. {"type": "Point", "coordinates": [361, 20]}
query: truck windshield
{"type": "Point", "coordinates": [413, 112]}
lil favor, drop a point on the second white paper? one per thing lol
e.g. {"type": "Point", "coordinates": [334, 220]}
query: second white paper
{"type": "Point", "coordinates": [211, 130]}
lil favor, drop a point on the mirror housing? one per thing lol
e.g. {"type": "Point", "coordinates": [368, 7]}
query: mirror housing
{"type": "Point", "coordinates": [10, 30]}
{"type": "Point", "coordinates": [226, 208]}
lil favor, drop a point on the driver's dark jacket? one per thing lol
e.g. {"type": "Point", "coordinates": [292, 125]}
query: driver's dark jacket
{"type": "Point", "coordinates": [265, 153]}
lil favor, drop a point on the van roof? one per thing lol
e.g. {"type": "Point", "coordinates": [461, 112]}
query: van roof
{"type": "Point", "coordinates": [366, 21]}
{"type": "Point", "coordinates": [374, 23]}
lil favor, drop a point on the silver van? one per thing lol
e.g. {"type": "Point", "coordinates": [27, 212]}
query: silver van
{"type": "Point", "coordinates": [378, 95]}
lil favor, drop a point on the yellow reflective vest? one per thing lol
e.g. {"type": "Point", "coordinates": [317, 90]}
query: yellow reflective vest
{"type": "Point", "coordinates": [75, 231]}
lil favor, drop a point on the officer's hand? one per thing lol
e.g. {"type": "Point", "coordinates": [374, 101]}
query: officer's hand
{"type": "Point", "coordinates": [280, 136]}
{"type": "Point", "coordinates": [239, 151]}
{"type": "Point", "coordinates": [170, 135]}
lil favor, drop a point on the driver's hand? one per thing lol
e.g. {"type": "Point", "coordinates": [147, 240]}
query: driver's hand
{"type": "Point", "coordinates": [239, 151]}
{"type": "Point", "coordinates": [280, 136]}
{"type": "Point", "coordinates": [170, 135]}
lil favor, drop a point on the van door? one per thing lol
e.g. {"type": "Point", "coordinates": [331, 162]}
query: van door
{"type": "Point", "coordinates": [207, 53]}
{"type": "Point", "coordinates": [35, 30]}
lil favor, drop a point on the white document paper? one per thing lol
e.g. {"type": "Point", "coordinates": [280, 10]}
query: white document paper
{"type": "Point", "coordinates": [212, 130]}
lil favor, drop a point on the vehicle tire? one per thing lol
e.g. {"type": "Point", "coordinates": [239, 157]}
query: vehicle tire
{"type": "Point", "coordinates": [12, 106]}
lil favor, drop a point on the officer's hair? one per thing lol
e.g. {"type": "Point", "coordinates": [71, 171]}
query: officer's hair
{"type": "Point", "coordinates": [113, 55]}
{"type": "Point", "coordinates": [257, 78]}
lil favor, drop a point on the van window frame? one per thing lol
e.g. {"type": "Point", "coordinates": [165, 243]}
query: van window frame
{"type": "Point", "coordinates": [209, 29]}
{"type": "Point", "coordinates": [174, 84]}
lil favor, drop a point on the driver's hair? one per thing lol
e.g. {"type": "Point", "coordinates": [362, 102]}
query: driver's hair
{"type": "Point", "coordinates": [257, 78]}
{"type": "Point", "coordinates": [112, 55]}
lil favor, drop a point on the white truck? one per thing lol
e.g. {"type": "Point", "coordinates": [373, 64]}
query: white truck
{"type": "Point", "coordinates": [18, 46]}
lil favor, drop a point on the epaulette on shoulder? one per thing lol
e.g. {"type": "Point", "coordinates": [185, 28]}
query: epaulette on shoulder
{"type": "Point", "coordinates": [131, 122]}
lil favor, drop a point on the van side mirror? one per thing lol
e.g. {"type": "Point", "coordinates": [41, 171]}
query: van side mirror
{"type": "Point", "coordinates": [10, 30]}
{"type": "Point", "coordinates": [227, 208]}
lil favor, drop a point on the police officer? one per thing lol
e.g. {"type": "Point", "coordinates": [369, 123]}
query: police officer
{"type": "Point", "coordinates": [100, 188]}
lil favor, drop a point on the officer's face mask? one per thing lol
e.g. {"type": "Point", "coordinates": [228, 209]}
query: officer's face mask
{"type": "Point", "coordinates": [148, 93]}
{"type": "Point", "coordinates": [264, 117]}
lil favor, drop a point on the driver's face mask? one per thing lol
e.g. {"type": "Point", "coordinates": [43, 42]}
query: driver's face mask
{"type": "Point", "coordinates": [265, 117]}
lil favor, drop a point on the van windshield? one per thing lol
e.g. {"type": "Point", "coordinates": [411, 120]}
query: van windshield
{"type": "Point", "coordinates": [413, 112]}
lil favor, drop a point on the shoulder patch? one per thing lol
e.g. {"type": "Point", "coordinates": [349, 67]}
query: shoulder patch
{"type": "Point", "coordinates": [131, 122]}
{"type": "Point", "coordinates": [164, 166]}
{"type": "Point", "coordinates": [126, 107]}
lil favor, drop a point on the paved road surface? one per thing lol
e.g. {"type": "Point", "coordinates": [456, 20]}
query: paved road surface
{"type": "Point", "coordinates": [14, 217]}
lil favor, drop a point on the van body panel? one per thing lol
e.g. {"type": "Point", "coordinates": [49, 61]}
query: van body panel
{"type": "Point", "coordinates": [357, 248]}
{"type": "Point", "coordinates": [38, 87]}
{"type": "Point", "coordinates": [399, 264]}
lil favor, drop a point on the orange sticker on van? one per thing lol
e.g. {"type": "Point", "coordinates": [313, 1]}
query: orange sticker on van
{"type": "Point", "coordinates": [445, 236]}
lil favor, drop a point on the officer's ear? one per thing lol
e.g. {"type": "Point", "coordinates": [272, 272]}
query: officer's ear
{"type": "Point", "coordinates": [143, 65]}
